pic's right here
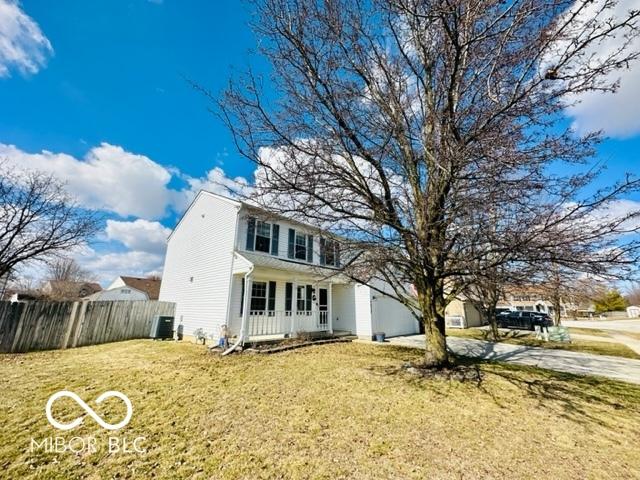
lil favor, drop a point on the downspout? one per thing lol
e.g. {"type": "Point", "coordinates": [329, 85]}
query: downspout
{"type": "Point", "coordinates": [244, 313]}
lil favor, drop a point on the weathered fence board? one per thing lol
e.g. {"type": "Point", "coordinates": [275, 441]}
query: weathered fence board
{"type": "Point", "coordinates": [25, 327]}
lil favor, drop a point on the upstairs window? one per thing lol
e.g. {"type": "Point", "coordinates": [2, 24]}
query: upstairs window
{"type": "Point", "coordinates": [263, 237]}
{"type": "Point", "coordinates": [329, 252]}
{"type": "Point", "coordinates": [300, 246]}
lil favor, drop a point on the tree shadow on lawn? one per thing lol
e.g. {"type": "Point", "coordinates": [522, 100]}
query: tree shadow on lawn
{"type": "Point", "coordinates": [583, 399]}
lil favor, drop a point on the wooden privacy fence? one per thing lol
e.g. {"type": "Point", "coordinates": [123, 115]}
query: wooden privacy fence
{"type": "Point", "coordinates": [55, 325]}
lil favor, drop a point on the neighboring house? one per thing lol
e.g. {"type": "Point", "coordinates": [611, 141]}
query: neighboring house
{"type": "Point", "coordinates": [118, 293]}
{"type": "Point", "coordinates": [23, 296]}
{"type": "Point", "coordinates": [526, 299]}
{"type": "Point", "coordinates": [633, 311]}
{"type": "Point", "coordinates": [262, 275]}
{"type": "Point", "coordinates": [150, 286]}
{"type": "Point", "coordinates": [460, 313]}
{"type": "Point", "coordinates": [532, 300]}
{"type": "Point", "coordinates": [67, 290]}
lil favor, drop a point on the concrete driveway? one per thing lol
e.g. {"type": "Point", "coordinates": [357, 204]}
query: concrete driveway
{"type": "Point", "coordinates": [616, 368]}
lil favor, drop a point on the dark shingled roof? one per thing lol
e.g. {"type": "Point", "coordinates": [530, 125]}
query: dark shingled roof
{"type": "Point", "coordinates": [149, 285]}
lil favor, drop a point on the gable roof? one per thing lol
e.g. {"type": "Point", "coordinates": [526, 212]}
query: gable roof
{"type": "Point", "coordinates": [151, 286]}
{"type": "Point", "coordinates": [252, 208]}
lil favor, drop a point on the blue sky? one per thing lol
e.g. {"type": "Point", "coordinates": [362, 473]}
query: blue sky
{"type": "Point", "coordinates": [96, 91]}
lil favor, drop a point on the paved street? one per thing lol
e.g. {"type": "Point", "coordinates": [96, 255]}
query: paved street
{"type": "Point", "coordinates": [560, 360]}
{"type": "Point", "coordinates": [621, 325]}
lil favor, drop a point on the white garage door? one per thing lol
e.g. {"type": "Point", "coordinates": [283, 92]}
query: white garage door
{"type": "Point", "coordinates": [392, 318]}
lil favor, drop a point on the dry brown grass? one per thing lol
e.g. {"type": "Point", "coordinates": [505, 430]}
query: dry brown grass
{"type": "Point", "coordinates": [332, 411]}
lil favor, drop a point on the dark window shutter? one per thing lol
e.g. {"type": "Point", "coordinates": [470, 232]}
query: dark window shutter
{"type": "Point", "coordinates": [275, 236]}
{"type": "Point", "coordinates": [322, 251]}
{"type": "Point", "coordinates": [272, 297]}
{"type": "Point", "coordinates": [309, 299]}
{"type": "Point", "coordinates": [310, 248]}
{"type": "Point", "coordinates": [292, 241]}
{"type": "Point", "coordinates": [337, 254]}
{"type": "Point", "coordinates": [242, 296]}
{"type": "Point", "coordinates": [288, 296]}
{"type": "Point", "coordinates": [251, 233]}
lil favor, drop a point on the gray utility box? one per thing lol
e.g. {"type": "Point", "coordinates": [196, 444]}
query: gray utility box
{"type": "Point", "coordinates": [162, 327]}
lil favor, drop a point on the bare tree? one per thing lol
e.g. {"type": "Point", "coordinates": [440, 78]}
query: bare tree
{"type": "Point", "coordinates": [398, 121]}
{"type": "Point", "coordinates": [633, 297]}
{"type": "Point", "coordinates": [67, 269]}
{"type": "Point", "coordinates": [38, 219]}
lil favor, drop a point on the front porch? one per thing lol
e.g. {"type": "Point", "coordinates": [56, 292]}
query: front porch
{"type": "Point", "coordinates": [280, 299]}
{"type": "Point", "coordinates": [286, 323]}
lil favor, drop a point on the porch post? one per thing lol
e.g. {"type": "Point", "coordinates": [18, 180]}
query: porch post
{"type": "Point", "coordinates": [247, 305]}
{"type": "Point", "coordinates": [330, 307]}
{"type": "Point", "coordinates": [294, 307]}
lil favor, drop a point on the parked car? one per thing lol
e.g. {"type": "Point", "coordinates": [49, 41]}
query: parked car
{"type": "Point", "coordinates": [523, 319]}
{"type": "Point", "coordinates": [502, 311]}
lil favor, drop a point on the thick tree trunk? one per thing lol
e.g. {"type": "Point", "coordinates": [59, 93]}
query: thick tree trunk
{"type": "Point", "coordinates": [432, 305]}
{"type": "Point", "coordinates": [494, 334]}
{"type": "Point", "coordinates": [555, 301]}
{"type": "Point", "coordinates": [556, 310]}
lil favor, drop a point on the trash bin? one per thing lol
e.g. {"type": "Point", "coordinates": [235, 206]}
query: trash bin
{"type": "Point", "coordinates": [380, 336]}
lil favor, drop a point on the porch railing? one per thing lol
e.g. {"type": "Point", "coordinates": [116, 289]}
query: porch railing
{"type": "Point", "coordinates": [262, 322]}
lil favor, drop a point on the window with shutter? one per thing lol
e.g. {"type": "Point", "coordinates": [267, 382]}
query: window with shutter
{"type": "Point", "coordinates": [301, 246]}
{"type": "Point", "coordinates": [300, 303]}
{"type": "Point", "coordinates": [288, 296]}
{"type": "Point", "coordinates": [292, 243]}
{"type": "Point", "coordinates": [271, 306]}
{"type": "Point", "coordinates": [310, 248]}
{"type": "Point", "coordinates": [263, 237]}
{"type": "Point", "coordinates": [251, 233]}
{"type": "Point", "coordinates": [329, 252]}
{"type": "Point", "coordinates": [275, 239]}
{"type": "Point", "coordinates": [258, 297]}
{"type": "Point", "coordinates": [309, 297]}
{"type": "Point", "coordinates": [322, 251]}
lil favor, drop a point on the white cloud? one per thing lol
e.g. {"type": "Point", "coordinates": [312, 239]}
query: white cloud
{"type": "Point", "coordinates": [215, 181]}
{"type": "Point", "coordinates": [23, 46]}
{"type": "Point", "coordinates": [139, 235]}
{"type": "Point", "coordinates": [618, 210]}
{"type": "Point", "coordinates": [108, 266]}
{"type": "Point", "coordinates": [615, 114]}
{"type": "Point", "coordinates": [111, 179]}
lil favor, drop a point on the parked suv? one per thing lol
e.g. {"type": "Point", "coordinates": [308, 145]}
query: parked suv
{"type": "Point", "coordinates": [524, 319]}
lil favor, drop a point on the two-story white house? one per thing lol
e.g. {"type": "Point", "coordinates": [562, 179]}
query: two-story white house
{"type": "Point", "coordinates": [262, 275]}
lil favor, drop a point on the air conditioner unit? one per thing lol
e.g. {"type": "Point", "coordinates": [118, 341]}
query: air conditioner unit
{"type": "Point", "coordinates": [162, 327]}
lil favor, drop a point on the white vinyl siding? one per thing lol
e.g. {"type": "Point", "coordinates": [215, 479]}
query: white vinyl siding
{"type": "Point", "coordinates": [344, 307]}
{"type": "Point", "coordinates": [198, 264]}
{"type": "Point", "coordinates": [119, 294]}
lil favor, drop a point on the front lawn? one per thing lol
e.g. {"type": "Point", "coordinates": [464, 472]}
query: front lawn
{"type": "Point", "coordinates": [528, 339]}
{"type": "Point", "coordinates": [331, 411]}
